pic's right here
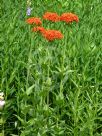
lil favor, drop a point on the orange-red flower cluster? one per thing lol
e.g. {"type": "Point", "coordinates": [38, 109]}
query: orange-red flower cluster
{"type": "Point", "coordinates": [34, 20]}
{"type": "Point", "coordinates": [51, 16]}
{"type": "Point", "coordinates": [51, 35]}
{"type": "Point", "coordinates": [69, 17]}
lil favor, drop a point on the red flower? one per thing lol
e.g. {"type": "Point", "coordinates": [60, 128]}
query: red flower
{"type": "Point", "coordinates": [51, 35]}
{"type": "Point", "coordinates": [38, 29]}
{"type": "Point", "coordinates": [51, 16]}
{"type": "Point", "coordinates": [69, 17]}
{"type": "Point", "coordinates": [34, 20]}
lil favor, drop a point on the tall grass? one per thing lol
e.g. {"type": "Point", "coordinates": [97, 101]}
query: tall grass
{"type": "Point", "coordinates": [51, 88]}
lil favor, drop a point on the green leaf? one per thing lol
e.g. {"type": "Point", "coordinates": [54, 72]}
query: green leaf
{"type": "Point", "coordinates": [21, 120]}
{"type": "Point", "coordinates": [30, 89]}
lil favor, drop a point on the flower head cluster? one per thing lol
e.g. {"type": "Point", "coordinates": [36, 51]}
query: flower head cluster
{"type": "Point", "coordinates": [29, 11]}
{"type": "Point", "coordinates": [51, 16]}
{"type": "Point", "coordinates": [51, 35]}
{"type": "Point", "coordinates": [34, 20]}
{"type": "Point", "coordinates": [69, 17]}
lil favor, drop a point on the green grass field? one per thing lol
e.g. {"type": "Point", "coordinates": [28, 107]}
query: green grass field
{"type": "Point", "coordinates": [51, 88]}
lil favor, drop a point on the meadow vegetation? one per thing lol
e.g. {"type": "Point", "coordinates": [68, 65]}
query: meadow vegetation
{"type": "Point", "coordinates": [51, 88]}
